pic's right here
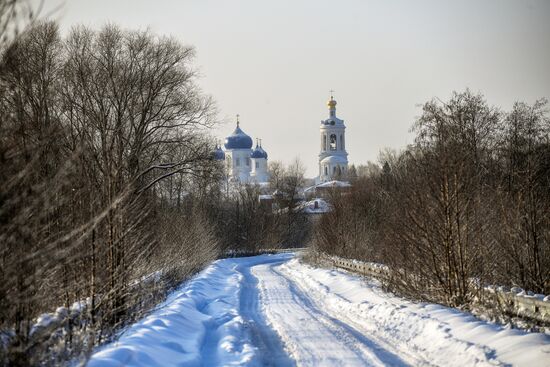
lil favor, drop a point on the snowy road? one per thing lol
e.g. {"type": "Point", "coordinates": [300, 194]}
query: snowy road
{"type": "Point", "coordinates": [272, 310]}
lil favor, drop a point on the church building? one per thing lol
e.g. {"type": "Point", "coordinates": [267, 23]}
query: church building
{"type": "Point", "coordinates": [333, 158]}
{"type": "Point", "coordinates": [243, 164]}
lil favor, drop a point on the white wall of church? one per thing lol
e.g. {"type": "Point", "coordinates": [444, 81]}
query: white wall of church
{"type": "Point", "coordinates": [259, 171]}
{"type": "Point", "coordinates": [239, 164]}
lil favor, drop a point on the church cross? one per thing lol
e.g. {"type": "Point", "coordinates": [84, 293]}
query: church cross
{"type": "Point", "coordinates": [331, 93]}
{"type": "Point", "coordinates": [238, 120]}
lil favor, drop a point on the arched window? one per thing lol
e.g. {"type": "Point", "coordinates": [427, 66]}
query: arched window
{"type": "Point", "coordinates": [342, 142]}
{"type": "Point", "coordinates": [324, 142]}
{"type": "Point", "coordinates": [257, 165]}
{"type": "Point", "coordinates": [332, 141]}
{"type": "Point", "coordinates": [248, 162]}
{"type": "Point", "coordinates": [334, 170]}
{"type": "Point", "coordinates": [326, 171]}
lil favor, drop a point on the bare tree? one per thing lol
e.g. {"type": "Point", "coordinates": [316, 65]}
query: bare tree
{"type": "Point", "coordinates": [524, 195]}
{"type": "Point", "coordinates": [94, 126]}
{"type": "Point", "coordinates": [462, 207]}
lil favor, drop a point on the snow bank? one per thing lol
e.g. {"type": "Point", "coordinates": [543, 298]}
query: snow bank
{"type": "Point", "coordinates": [198, 325]}
{"type": "Point", "coordinates": [441, 335]}
{"type": "Point", "coordinates": [261, 309]}
{"type": "Point", "coordinates": [526, 305]}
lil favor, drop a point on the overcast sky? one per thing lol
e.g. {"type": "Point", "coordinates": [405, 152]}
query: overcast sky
{"type": "Point", "coordinates": [273, 62]}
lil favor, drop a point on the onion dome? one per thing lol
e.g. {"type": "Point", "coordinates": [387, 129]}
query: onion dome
{"type": "Point", "coordinates": [218, 154]}
{"type": "Point", "coordinates": [238, 139]}
{"type": "Point", "coordinates": [263, 152]}
{"type": "Point", "coordinates": [331, 103]}
{"type": "Point", "coordinates": [257, 152]}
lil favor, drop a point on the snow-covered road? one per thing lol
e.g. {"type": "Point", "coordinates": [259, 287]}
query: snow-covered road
{"type": "Point", "coordinates": [273, 310]}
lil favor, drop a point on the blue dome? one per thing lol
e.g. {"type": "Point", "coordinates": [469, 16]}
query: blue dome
{"type": "Point", "coordinates": [238, 140]}
{"type": "Point", "coordinates": [257, 153]}
{"type": "Point", "coordinates": [263, 152]}
{"type": "Point", "coordinates": [218, 154]}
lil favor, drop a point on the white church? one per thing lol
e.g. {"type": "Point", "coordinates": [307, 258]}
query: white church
{"type": "Point", "coordinates": [333, 158]}
{"type": "Point", "coordinates": [247, 165]}
{"type": "Point", "coordinates": [243, 164]}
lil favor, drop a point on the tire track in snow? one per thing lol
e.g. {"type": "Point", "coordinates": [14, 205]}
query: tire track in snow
{"type": "Point", "coordinates": [313, 337]}
{"type": "Point", "coordinates": [270, 347]}
{"type": "Point", "coordinates": [421, 340]}
{"type": "Point", "coordinates": [350, 335]}
{"type": "Point", "coordinates": [387, 352]}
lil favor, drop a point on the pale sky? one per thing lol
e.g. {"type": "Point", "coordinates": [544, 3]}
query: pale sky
{"type": "Point", "coordinates": [273, 62]}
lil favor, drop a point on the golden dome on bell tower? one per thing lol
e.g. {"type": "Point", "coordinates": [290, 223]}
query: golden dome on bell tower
{"type": "Point", "coordinates": [331, 103]}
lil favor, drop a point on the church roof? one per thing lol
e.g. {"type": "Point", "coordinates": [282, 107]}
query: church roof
{"type": "Point", "coordinates": [334, 183]}
{"type": "Point", "coordinates": [258, 153]}
{"type": "Point", "coordinates": [333, 121]}
{"type": "Point", "coordinates": [238, 140]}
{"type": "Point", "coordinates": [334, 159]}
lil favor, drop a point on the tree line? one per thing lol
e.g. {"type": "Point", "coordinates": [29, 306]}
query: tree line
{"type": "Point", "coordinates": [109, 193]}
{"type": "Point", "coordinates": [466, 205]}
{"type": "Point", "coordinates": [91, 123]}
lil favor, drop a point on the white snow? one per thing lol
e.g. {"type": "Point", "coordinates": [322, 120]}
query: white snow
{"type": "Point", "coordinates": [274, 310]}
{"type": "Point", "coordinates": [334, 183]}
{"type": "Point", "coordinates": [44, 320]}
{"type": "Point", "coordinates": [308, 207]}
{"type": "Point", "coordinates": [413, 333]}
{"type": "Point", "coordinates": [199, 324]}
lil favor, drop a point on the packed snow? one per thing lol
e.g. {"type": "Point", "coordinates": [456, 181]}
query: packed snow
{"type": "Point", "coordinates": [275, 310]}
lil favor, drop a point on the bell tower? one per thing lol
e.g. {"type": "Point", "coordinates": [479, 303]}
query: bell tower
{"type": "Point", "coordinates": [333, 157]}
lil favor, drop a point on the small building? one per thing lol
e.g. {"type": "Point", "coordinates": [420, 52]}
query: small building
{"type": "Point", "coordinates": [266, 201]}
{"type": "Point", "coordinates": [326, 189]}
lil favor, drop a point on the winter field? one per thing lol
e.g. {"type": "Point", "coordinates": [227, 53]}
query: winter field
{"type": "Point", "coordinates": [275, 310]}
